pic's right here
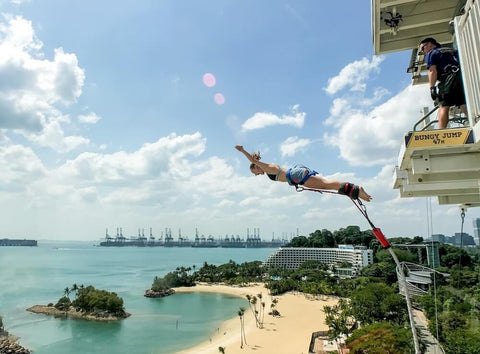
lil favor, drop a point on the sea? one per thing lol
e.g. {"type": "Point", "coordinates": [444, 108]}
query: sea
{"type": "Point", "coordinates": [39, 275]}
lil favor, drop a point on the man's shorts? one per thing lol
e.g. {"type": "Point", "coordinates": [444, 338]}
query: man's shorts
{"type": "Point", "coordinates": [451, 94]}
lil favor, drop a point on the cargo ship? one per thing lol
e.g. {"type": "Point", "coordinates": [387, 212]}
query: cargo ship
{"type": "Point", "coordinates": [17, 242]}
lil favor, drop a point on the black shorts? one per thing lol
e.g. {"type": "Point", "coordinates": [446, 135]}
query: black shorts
{"type": "Point", "coordinates": [450, 90]}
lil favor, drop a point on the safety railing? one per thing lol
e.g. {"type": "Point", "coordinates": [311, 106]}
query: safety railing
{"type": "Point", "coordinates": [426, 122]}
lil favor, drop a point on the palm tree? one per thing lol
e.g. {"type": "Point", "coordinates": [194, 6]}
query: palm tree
{"type": "Point", "coordinates": [240, 314]}
{"type": "Point", "coordinates": [242, 309]}
{"type": "Point", "coordinates": [263, 312]}
{"type": "Point", "coordinates": [252, 302]}
{"type": "Point", "coordinates": [260, 315]}
{"type": "Point", "coordinates": [66, 292]}
{"type": "Point", "coordinates": [337, 319]}
{"type": "Point", "coordinates": [273, 307]}
{"type": "Point", "coordinates": [74, 288]}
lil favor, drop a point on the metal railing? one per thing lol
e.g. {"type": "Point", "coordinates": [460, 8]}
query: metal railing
{"type": "Point", "coordinates": [425, 122]}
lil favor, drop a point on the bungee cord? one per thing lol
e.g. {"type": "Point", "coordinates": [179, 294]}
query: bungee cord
{"type": "Point", "coordinates": [360, 206]}
{"type": "Point", "coordinates": [385, 244]}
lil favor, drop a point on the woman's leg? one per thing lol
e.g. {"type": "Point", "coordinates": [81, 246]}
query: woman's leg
{"type": "Point", "coordinates": [318, 182]}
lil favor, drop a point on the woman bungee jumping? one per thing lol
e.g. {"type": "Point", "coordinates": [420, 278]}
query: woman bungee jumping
{"type": "Point", "coordinates": [301, 175]}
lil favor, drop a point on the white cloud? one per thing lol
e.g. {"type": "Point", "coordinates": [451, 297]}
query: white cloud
{"type": "Point", "coordinates": [169, 183]}
{"type": "Point", "coordinates": [225, 203]}
{"type": "Point", "coordinates": [53, 136]}
{"type": "Point", "coordinates": [31, 87]}
{"type": "Point", "coordinates": [161, 159]}
{"type": "Point", "coordinates": [157, 174]}
{"type": "Point", "coordinates": [264, 119]}
{"type": "Point", "coordinates": [291, 145]}
{"type": "Point", "coordinates": [67, 77]}
{"type": "Point", "coordinates": [19, 2]}
{"type": "Point", "coordinates": [18, 36]}
{"type": "Point", "coordinates": [90, 118]}
{"type": "Point", "coordinates": [19, 166]}
{"type": "Point", "coordinates": [374, 137]}
{"type": "Point", "coordinates": [354, 75]}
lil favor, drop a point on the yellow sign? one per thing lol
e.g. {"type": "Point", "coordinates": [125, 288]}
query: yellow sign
{"type": "Point", "coordinates": [447, 137]}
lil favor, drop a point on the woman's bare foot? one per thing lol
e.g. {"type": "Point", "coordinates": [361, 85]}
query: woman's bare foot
{"type": "Point", "coordinates": [364, 195]}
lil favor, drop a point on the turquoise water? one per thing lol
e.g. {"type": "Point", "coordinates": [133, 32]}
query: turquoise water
{"type": "Point", "coordinates": [38, 275]}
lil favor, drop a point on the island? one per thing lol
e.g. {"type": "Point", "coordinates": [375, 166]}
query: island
{"type": "Point", "coordinates": [89, 304]}
{"type": "Point", "coordinates": [163, 286]}
{"type": "Point", "coordinates": [8, 342]}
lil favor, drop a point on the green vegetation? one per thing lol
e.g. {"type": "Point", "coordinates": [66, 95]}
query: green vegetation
{"type": "Point", "coordinates": [351, 235]}
{"type": "Point", "coordinates": [179, 277]}
{"type": "Point", "coordinates": [230, 273]}
{"type": "Point", "coordinates": [456, 306]}
{"type": "Point", "coordinates": [63, 304]}
{"type": "Point", "coordinates": [372, 299]}
{"type": "Point", "coordinates": [378, 302]}
{"type": "Point", "coordinates": [381, 338]}
{"type": "Point", "coordinates": [99, 303]}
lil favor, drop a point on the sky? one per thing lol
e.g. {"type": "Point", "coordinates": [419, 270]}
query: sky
{"type": "Point", "coordinates": [126, 113]}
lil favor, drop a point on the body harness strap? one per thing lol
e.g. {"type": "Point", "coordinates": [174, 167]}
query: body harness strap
{"type": "Point", "coordinates": [304, 179]}
{"type": "Point", "coordinates": [360, 206]}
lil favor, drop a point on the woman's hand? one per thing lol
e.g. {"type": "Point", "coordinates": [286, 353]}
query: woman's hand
{"type": "Point", "coordinates": [247, 155]}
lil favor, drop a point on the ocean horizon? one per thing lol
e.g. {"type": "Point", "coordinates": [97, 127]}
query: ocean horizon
{"type": "Point", "coordinates": [39, 275]}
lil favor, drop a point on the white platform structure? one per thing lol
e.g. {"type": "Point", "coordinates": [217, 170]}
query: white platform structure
{"type": "Point", "coordinates": [418, 279]}
{"type": "Point", "coordinates": [442, 163]}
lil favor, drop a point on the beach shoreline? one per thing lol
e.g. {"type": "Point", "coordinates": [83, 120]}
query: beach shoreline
{"type": "Point", "coordinates": [290, 333]}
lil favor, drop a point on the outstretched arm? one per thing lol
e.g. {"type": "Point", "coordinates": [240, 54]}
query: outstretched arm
{"type": "Point", "coordinates": [247, 155]}
{"type": "Point", "coordinates": [266, 167]}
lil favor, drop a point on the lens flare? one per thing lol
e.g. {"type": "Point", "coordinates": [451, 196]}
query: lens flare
{"type": "Point", "coordinates": [209, 80]}
{"type": "Point", "coordinates": [219, 98]}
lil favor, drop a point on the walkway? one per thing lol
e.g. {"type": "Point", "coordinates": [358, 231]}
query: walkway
{"type": "Point", "coordinates": [433, 347]}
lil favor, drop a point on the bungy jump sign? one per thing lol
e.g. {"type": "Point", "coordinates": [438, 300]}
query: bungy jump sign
{"type": "Point", "coordinates": [445, 137]}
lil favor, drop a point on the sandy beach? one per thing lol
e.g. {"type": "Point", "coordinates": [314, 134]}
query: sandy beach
{"type": "Point", "coordinates": [288, 334]}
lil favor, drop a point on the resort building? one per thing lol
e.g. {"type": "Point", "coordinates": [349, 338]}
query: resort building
{"type": "Point", "coordinates": [356, 257]}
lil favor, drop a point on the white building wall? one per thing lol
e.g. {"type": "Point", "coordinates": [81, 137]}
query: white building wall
{"type": "Point", "coordinates": [293, 257]}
